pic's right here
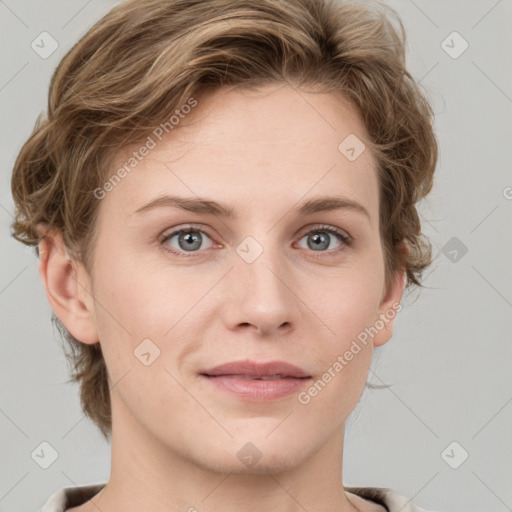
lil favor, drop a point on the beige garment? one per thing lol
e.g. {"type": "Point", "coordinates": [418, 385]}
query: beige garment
{"type": "Point", "coordinates": [73, 496]}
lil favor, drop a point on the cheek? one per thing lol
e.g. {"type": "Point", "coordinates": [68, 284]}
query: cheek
{"type": "Point", "coordinates": [347, 299]}
{"type": "Point", "coordinates": [144, 298]}
{"type": "Point", "coordinates": [348, 307]}
{"type": "Point", "coordinates": [345, 360]}
{"type": "Point", "coordinates": [139, 302]}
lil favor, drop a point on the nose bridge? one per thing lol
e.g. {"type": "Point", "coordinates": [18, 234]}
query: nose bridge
{"type": "Point", "coordinates": [263, 297]}
{"type": "Point", "coordinates": [260, 263]}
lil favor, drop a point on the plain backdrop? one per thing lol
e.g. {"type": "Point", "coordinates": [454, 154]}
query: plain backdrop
{"type": "Point", "coordinates": [441, 434]}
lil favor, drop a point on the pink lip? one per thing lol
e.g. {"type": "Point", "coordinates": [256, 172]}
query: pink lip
{"type": "Point", "coordinates": [239, 378]}
{"type": "Point", "coordinates": [250, 368]}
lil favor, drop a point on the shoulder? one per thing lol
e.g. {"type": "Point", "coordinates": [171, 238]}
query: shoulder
{"type": "Point", "coordinates": [70, 497]}
{"type": "Point", "coordinates": [389, 499]}
{"type": "Point", "coordinates": [386, 497]}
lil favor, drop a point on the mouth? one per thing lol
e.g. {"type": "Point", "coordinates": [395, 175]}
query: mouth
{"type": "Point", "coordinates": [257, 370]}
{"type": "Point", "coordinates": [257, 389]}
{"type": "Point", "coordinates": [251, 377]}
{"type": "Point", "coordinates": [257, 382]}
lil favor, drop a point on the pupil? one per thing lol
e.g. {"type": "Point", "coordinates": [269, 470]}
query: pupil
{"type": "Point", "coordinates": [190, 240]}
{"type": "Point", "coordinates": [320, 239]}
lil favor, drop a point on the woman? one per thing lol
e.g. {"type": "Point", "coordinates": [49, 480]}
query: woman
{"type": "Point", "coordinates": [223, 200]}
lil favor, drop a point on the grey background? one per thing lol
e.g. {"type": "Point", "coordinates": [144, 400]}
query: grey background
{"type": "Point", "coordinates": [449, 360]}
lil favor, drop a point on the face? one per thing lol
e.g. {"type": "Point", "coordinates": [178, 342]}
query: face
{"type": "Point", "coordinates": [270, 282]}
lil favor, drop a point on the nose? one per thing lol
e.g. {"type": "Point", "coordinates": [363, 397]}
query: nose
{"type": "Point", "coordinates": [262, 297]}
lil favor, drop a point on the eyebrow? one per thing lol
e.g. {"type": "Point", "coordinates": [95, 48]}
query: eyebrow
{"type": "Point", "coordinates": [208, 206]}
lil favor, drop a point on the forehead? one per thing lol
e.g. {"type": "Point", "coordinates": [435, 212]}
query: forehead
{"type": "Point", "coordinates": [257, 147]}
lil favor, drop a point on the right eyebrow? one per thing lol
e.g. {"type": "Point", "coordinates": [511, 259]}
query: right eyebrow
{"type": "Point", "coordinates": [190, 204]}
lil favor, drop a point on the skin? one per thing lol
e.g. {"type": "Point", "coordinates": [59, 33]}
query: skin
{"type": "Point", "coordinates": [175, 437]}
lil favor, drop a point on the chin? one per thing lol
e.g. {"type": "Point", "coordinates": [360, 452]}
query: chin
{"type": "Point", "coordinates": [273, 465]}
{"type": "Point", "coordinates": [253, 455]}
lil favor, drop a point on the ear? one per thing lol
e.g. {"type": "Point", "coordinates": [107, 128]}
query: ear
{"type": "Point", "coordinates": [389, 307]}
{"type": "Point", "coordinates": [67, 285]}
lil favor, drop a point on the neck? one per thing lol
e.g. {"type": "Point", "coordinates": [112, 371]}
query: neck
{"type": "Point", "coordinates": [147, 475]}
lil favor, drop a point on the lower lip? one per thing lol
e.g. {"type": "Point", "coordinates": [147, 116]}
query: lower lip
{"type": "Point", "coordinates": [258, 390]}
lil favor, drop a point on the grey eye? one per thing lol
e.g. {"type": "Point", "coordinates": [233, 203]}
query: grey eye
{"type": "Point", "coordinates": [188, 240]}
{"type": "Point", "coordinates": [320, 239]}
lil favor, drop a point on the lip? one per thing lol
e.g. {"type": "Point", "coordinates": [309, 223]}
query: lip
{"type": "Point", "coordinates": [248, 368]}
{"type": "Point", "coordinates": [241, 378]}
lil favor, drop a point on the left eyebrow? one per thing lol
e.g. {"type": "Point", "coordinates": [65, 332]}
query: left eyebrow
{"type": "Point", "coordinates": [208, 206]}
{"type": "Point", "coordinates": [325, 204]}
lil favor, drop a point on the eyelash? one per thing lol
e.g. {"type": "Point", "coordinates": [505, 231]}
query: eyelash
{"type": "Point", "coordinates": [345, 239]}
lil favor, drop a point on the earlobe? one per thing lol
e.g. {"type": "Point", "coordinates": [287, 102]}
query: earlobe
{"type": "Point", "coordinates": [67, 287]}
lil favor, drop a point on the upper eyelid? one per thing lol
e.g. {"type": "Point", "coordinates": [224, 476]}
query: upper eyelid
{"type": "Point", "coordinates": [319, 227]}
{"type": "Point", "coordinates": [168, 233]}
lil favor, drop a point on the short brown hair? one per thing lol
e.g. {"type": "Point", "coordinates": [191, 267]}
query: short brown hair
{"type": "Point", "coordinates": [144, 59]}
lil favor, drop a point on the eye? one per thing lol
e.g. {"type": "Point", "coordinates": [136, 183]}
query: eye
{"type": "Point", "coordinates": [320, 238]}
{"type": "Point", "coordinates": [187, 240]}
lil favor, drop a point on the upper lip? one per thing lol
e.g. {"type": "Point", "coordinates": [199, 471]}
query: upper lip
{"type": "Point", "coordinates": [257, 369]}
